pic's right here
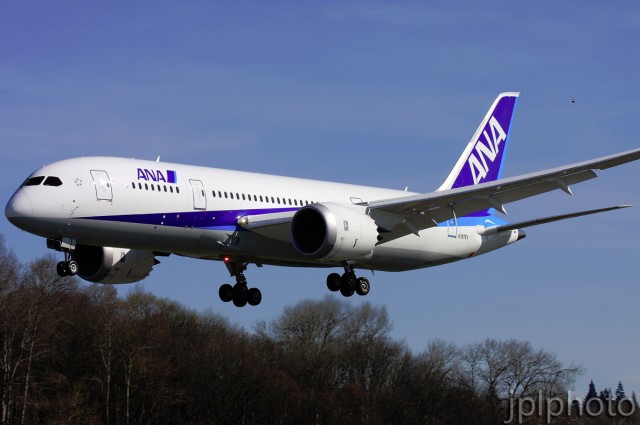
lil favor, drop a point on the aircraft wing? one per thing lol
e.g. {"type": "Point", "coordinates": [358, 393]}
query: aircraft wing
{"type": "Point", "coordinates": [398, 217]}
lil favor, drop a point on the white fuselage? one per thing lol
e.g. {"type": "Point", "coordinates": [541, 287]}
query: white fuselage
{"type": "Point", "coordinates": [193, 211]}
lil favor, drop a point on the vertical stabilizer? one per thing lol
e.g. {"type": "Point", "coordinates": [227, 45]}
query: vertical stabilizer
{"type": "Point", "coordinates": [483, 158]}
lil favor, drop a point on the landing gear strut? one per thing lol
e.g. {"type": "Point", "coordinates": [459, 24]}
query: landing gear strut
{"type": "Point", "coordinates": [239, 293]}
{"type": "Point", "coordinates": [348, 283]}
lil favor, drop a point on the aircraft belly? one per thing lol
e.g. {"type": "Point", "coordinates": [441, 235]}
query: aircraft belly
{"type": "Point", "coordinates": [187, 241]}
{"type": "Point", "coordinates": [434, 246]}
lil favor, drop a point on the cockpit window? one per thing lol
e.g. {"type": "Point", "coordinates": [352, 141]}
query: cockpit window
{"type": "Point", "coordinates": [34, 181]}
{"type": "Point", "coordinates": [52, 181]}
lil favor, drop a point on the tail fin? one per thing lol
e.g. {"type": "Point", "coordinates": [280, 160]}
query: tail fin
{"type": "Point", "coordinates": [483, 158]}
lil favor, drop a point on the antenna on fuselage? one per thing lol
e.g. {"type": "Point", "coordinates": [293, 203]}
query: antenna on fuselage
{"type": "Point", "coordinates": [158, 158]}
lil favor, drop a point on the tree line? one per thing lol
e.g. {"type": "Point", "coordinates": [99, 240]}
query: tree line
{"type": "Point", "coordinates": [72, 353]}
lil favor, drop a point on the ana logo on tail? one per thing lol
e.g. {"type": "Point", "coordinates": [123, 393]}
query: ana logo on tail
{"type": "Point", "coordinates": [483, 158]}
{"type": "Point", "coordinates": [488, 150]}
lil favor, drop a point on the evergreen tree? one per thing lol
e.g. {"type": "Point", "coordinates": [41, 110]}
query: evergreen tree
{"type": "Point", "coordinates": [592, 392]}
{"type": "Point", "coordinates": [620, 395]}
{"type": "Point", "coordinates": [605, 395]}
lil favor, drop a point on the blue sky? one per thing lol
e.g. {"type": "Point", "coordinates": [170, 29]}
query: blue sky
{"type": "Point", "coordinates": [375, 93]}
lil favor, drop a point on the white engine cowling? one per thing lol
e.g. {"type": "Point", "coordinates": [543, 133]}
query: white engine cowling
{"type": "Point", "coordinates": [100, 264]}
{"type": "Point", "coordinates": [333, 231]}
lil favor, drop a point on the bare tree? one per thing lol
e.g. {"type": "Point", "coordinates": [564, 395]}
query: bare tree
{"type": "Point", "coordinates": [499, 370]}
{"type": "Point", "coordinates": [9, 278]}
{"type": "Point", "coordinates": [44, 290]}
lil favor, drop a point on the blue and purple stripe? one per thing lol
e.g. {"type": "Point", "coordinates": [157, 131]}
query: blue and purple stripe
{"type": "Point", "coordinates": [223, 219]}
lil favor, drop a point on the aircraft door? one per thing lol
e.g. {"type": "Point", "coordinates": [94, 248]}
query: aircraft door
{"type": "Point", "coordinates": [199, 197]}
{"type": "Point", "coordinates": [102, 184]}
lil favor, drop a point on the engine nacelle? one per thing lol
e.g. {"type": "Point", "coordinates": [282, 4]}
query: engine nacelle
{"type": "Point", "coordinates": [332, 231]}
{"type": "Point", "coordinates": [100, 264]}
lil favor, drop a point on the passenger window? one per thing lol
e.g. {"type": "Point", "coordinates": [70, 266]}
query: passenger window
{"type": "Point", "coordinates": [243, 198]}
{"type": "Point", "coordinates": [139, 185]}
{"type": "Point", "coordinates": [171, 189]}
{"type": "Point", "coordinates": [34, 181]}
{"type": "Point", "coordinates": [165, 188]}
{"type": "Point", "coordinates": [146, 187]}
{"type": "Point", "coordinates": [213, 192]}
{"type": "Point", "coordinates": [177, 189]}
{"type": "Point", "coordinates": [261, 198]}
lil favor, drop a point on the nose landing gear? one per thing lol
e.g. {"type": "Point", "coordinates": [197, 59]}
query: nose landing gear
{"type": "Point", "coordinates": [68, 267]}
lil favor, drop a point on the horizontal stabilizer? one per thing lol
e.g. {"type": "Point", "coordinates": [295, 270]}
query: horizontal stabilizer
{"type": "Point", "coordinates": [535, 222]}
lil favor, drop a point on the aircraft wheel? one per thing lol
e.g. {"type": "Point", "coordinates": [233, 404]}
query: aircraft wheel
{"type": "Point", "coordinates": [362, 286]}
{"type": "Point", "coordinates": [254, 296]}
{"type": "Point", "coordinates": [240, 291]}
{"type": "Point", "coordinates": [347, 292]}
{"type": "Point", "coordinates": [61, 268]}
{"type": "Point", "coordinates": [333, 282]}
{"type": "Point", "coordinates": [348, 281]}
{"type": "Point", "coordinates": [226, 292]}
{"type": "Point", "coordinates": [72, 268]}
{"type": "Point", "coordinates": [239, 302]}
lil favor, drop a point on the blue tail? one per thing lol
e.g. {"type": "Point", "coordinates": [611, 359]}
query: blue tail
{"type": "Point", "coordinates": [483, 158]}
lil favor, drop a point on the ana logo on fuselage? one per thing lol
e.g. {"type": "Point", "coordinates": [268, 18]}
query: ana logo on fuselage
{"type": "Point", "coordinates": [156, 175]}
{"type": "Point", "coordinates": [486, 151]}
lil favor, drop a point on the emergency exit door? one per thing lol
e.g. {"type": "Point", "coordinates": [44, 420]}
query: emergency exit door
{"type": "Point", "coordinates": [102, 184]}
{"type": "Point", "coordinates": [199, 197]}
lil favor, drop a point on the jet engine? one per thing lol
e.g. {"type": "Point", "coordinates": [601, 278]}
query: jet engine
{"type": "Point", "coordinates": [333, 231]}
{"type": "Point", "coordinates": [100, 264]}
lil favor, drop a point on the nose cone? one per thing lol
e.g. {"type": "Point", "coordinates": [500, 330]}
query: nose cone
{"type": "Point", "coordinates": [18, 207]}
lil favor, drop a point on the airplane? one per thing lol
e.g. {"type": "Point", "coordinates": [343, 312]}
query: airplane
{"type": "Point", "coordinates": [112, 217]}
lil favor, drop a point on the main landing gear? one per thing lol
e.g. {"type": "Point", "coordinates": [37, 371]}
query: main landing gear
{"type": "Point", "coordinates": [348, 283]}
{"type": "Point", "coordinates": [239, 293]}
